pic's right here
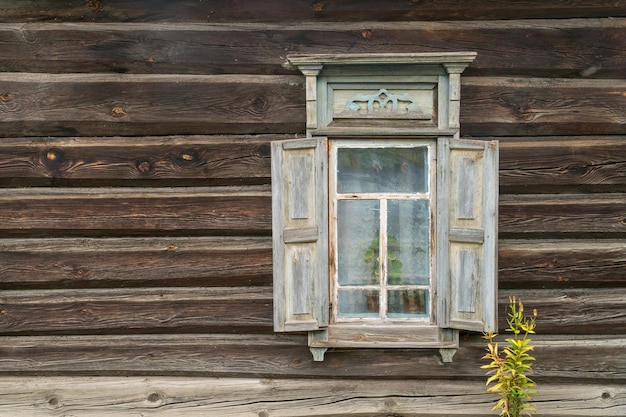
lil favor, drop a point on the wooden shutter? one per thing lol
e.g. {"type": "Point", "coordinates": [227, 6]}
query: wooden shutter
{"type": "Point", "coordinates": [300, 234]}
{"type": "Point", "coordinates": [467, 213]}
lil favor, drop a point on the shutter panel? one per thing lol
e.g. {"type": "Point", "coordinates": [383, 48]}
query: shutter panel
{"type": "Point", "coordinates": [300, 234]}
{"type": "Point", "coordinates": [467, 215]}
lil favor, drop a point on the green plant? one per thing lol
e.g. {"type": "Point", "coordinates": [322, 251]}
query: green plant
{"type": "Point", "coordinates": [372, 257]}
{"type": "Point", "coordinates": [510, 367]}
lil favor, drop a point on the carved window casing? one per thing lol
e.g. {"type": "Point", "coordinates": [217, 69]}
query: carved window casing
{"type": "Point", "coordinates": [384, 221]}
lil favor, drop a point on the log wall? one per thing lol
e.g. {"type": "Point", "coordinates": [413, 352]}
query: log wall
{"type": "Point", "coordinates": [135, 203]}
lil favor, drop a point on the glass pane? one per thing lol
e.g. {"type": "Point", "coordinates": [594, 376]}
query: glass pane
{"type": "Point", "coordinates": [358, 303]}
{"type": "Point", "coordinates": [382, 170]}
{"type": "Point", "coordinates": [407, 242]}
{"type": "Point", "coordinates": [408, 303]}
{"type": "Point", "coordinates": [358, 225]}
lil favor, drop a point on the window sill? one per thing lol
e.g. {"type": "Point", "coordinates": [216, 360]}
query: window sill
{"type": "Point", "coordinates": [389, 336]}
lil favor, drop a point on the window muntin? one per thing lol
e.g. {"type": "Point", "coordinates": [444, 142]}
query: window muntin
{"type": "Point", "coordinates": [381, 203]}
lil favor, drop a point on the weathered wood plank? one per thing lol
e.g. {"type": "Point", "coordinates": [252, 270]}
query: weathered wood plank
{"type": "Point", "coordinates": [601, 215]}
{"type": "Point", "coordinates": [125, 262]}
{"type": "Point", "coordinates": [528, 164]}
{"type": "Point", "coordinates": [92, 104]}
{"type": "Point", "coordinates": [236, 261]}
{"type": "Point", "coordinates": [559, 358]}
{"type": "Point", "coordinates": [530, 106]}
{"type": "Point", "coordinates": [561, 263]}
{"type": "Point", "coordinates": [124, 310]}
{"type": "Point", "coordinates": [571, 311]}
{"type": "Point", "coordinates": [299, 10]}
{"type": "Point", "coordinates": [111, 310]}
{"type": "Point", "coordinates": [547, 48]}
{"type": "Point", "coordinates": [254, 397]}
{"type": "Point", "coordinates": [135, 211]}
{"type": "Point", "coordinates": [178, 160]}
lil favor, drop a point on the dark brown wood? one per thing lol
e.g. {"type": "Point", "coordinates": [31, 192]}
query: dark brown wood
{"type": "Point", "coordinates": [578, 163]}
{"type": "Point", "coordinates": [126, 104]}
{"type": "Point", "coordinates": [135, 203]}
{"type": "Point", "coordinates": [561, 358]}
{"type": "Point", "coordinates": [81, 104]}
{"type": "Point", "coordinates": [125, 311]}
{"type": "Point", "coordinates": [598, 215]}
{"type": "Point", "coordinates": [526, 164]}
{"type": "Point", "coordinates": [561, 263]}
{"type": "Point", "coordinates": [203, 309]}
{"type": "Point", "coordinates": [175, 160]}
{"type": "Point", "coordinates": [131, 211]}
{"type": "Point", "coordinates": [134, 262]}
{"type": "Point", "coordinates": [576, 311]}
{"type": "Point", "coordinates": [589, 48]}
{"type": "Point", "coordinates": [298, 10]}
{"type": "Point", "coordinates": [532, 106]}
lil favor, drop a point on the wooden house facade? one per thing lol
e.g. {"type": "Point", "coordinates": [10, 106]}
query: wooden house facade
{"type": "Point", "coordinates": [136, 204]}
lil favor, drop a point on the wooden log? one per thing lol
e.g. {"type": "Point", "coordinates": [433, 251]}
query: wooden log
{"type": "Point", "coordinates": [112, 310]}
{"type": "Point", "coordinates": [236, 261]}
{"type": "Point", "coordinates": [571, 311]}
{"type": "Point", "coordinates": [135, 211]}
{"type": "Point", "coordinates": [299, 10]}
{"type": "Point", "coordinates": [529, 106]}
{"type": "Point", "coordinates": [526, 164]}
{"type": "Point", "coordinates": [573, 163]}
{"type": "Point", "coordinates": [133, 262]}
{"type": "Point", "coordinates": [91, 104]}
{"type": "Point", "coordinates": [598, 215]}
{"type": "Point", "coordinates": [561, 263]}
{"type": "Point", "coordinates": [177, 160]}
{"type": "Point", "coordinates": [163, 396]}
{"type": "Point", "coordinates": [588, 48]}
{"type": "Point", "coordinates": [559, 358]}
{"type": "Point", "coordinates": [97, 104]}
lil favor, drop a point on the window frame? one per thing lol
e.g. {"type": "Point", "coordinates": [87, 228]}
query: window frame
{"type": "Point", "coordinates": [334, 197]}
{"type": "Point", "coordinates": [465, 233]}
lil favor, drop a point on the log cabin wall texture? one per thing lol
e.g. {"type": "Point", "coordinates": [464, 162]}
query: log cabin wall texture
{"type": "Point", "coordinates": [135, 203]}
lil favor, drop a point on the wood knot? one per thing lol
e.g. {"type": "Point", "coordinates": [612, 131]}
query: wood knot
{"type": "Point", "coordinates": [144, 166]}
{"type": "Point", "coordinates": [318, 7]}
{"type": "Point", "coordinates": [188, 156]}
{"type": "Point", "coordinates": [53, 402]}
{"type": "Point", "coordinates": [389, 403]}
{"type": "Point", "coordinates": [264, 150]}
{"type": "Point", "coordinates": [367, 33]}
{"type": "Point", "coordinates": [118, 111]}
{"type": "Point", "coordinates": [95, 5]}
{"type": "Point", "coordinates": [53, 157]}
{"type": "Point", "coordinates": [154, 397]}
{"type": "Point", "coordinates": [260, 104]}
{"type": "Point", "coordinates": [6, 96]}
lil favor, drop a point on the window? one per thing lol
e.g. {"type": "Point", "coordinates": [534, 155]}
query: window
{"type": "Point", "coordinates": [384, 222]}
{"type": "Point", "coordinates": [381, 198]}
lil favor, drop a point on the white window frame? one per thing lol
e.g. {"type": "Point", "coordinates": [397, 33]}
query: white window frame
{"type": "Point", "coordinates": [464, 220]}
